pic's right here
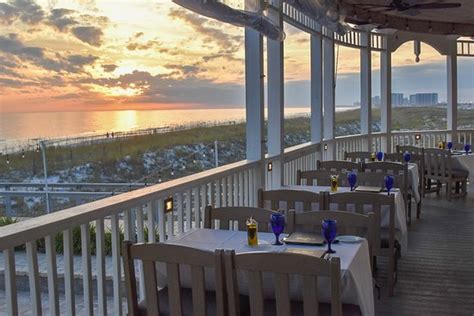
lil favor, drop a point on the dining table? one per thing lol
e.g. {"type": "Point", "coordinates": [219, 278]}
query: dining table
{"type": "Point", "coordinates": [400, 216]}
{"type": "Point", "coordinates": [356, 276]}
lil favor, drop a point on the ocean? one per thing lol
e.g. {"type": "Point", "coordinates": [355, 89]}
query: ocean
{"type": "Point", "coordinates": [21, 127]}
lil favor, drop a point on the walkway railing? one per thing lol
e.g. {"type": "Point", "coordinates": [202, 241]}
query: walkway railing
{"type": "Point", "coordinates": [153, 213]}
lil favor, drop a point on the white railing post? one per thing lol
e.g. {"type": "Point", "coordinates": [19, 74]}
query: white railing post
{"type": "Point", "coordinates": [275, 130]}
{"type": "Point", "coordinates": [254, 99]}
{"type": "Point", "coordinates": [386, 97]}
{"type": "Point", "coordinates": [316, 90]}
{"type": "Point", "coordinates": [329, 96]}
{"type": "Point", "coordinates": [366, 90]}
{"type": "Point", "coordinates": [452, 93]}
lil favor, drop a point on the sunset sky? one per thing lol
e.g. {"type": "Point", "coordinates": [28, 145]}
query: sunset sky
{"type": "Point", "coordinates": [60, 55]}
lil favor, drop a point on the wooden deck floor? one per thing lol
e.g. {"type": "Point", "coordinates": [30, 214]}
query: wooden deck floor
{"type": "Point", "coordinates": [436, 277]}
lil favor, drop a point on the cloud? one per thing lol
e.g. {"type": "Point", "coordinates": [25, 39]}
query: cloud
{"type": "Point", "coordinates": [27, 11]}
{"type": "Point", "coordinates": [109, 67]}
{"type": "Point", "coordinates": [13, 48]}
{"type": "Point", "coordinates": [89, 34]}
{"type": "Point", "coordinates": [61, 19]}
{"type": "Point", "coordinates": [165, 89]}
{"type": "Point", "coordinates": [227, 43]}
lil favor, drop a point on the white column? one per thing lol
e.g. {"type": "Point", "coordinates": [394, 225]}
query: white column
{"type": "Point", "coordinates": [275, 131]}
{"type": "Point", "coordinates": [254, 106]}
{"type": "Point", "coordinates": [452, 96]}
{"type": "Point", "coordinates": [386, 98]}
{"type": "Point", "coordinates": [366, 88]}
{"type": "Point", "coordinates": [316, 89]}
{"type": "Point", "coordinates": [329, 96]}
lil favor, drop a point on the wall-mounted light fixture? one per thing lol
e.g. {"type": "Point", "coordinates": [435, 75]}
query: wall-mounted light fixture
{"type": "Point", "coordinates": [169, 204]}
{"type": "Point", "coordinates": [325, 147]}
{"type": "Point", "coordinates": [417, 136]}
{"type": "Point", "coordinates": [270, 167]}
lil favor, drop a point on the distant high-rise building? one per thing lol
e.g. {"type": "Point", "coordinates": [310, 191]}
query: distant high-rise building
{"type": "Point", "coordinates": [424, 99]}
{"type": "Point", "coordinates": [376, 100]}
{"type": "Point", "coordinates": [397, 99]}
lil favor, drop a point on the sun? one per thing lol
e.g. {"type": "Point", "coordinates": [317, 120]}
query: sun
{"type": "Point", "coordinates": [117, 91]}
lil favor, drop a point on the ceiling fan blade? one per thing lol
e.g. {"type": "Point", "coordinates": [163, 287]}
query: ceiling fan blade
{"type": "Point", "coordinates": [435, 5]}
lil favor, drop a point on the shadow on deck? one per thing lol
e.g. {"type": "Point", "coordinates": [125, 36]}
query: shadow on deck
{"type": "Point", "coordinates": [436, 277]}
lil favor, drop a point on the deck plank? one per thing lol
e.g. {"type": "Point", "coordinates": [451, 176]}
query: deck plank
{"type": "Point", "coordinates": [436, 276]}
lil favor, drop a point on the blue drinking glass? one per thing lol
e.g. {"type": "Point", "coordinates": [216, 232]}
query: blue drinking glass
{"type": "Point", "coordinates": [450, 145]}
{"type": "Point", "coordinates": [329, 231]}
{"type": "Point", "coordinates": [467, 148]}
{"type": "Point", "coordinates": [379, 156]}
{"type": "Point", "coordinates": [352, 179]}
{"type": "Point", "coordinates": [388, 183]}
{"type": "Point", "coordinates": [277, 221]}
{"type": "Point", "coordinates": [406, 156]}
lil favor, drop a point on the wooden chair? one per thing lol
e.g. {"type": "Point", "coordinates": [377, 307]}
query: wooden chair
{"type": "Point", "coordinates": [291, 197]}
{"type": "Point", "coordinates": [173, 300]}
{"type": "Point", "coordinates": [385, 243]}
{"type": "Point", "coordinates": [281, 265]}
{"type": "Point", "coordinates": [339, 165]}
{"type": "Point", "coordinates": [320, 178]}
{"type": "Point", "coordinates": [357, 156]}
{"type": "Point", "coordinates": [439, 168]}
{"type": "Point", "coordinates": [348, 223]}
{"type": "Point", "coordinates": [238, 214]}
{"type": "Point", "coordinates": [399, 171]}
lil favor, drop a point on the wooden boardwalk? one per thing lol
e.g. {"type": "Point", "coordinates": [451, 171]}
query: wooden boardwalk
{"type": "Point", "coordinates": [436, 277]}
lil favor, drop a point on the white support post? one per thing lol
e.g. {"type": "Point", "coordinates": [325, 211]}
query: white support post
{"type": "Point", "coordinates": [316, 90]}
{"type": "Point", "coordinates": [275, 131]}
{"type": "Point", "coordinates": [366, 89]}
{"type": "Point", "coordinates": [329, 96]}
{"type": "Point", "coordinates": [386, 99]}
{"type": "Point", "coordinates": [254, 102]}
{"type": "Point", "coordinates": [452, 95]}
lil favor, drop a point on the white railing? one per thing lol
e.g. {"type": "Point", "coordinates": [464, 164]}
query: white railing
{"type": "Point", "coordinates": [138, 213]}
{"type": "Point", "coordinates": [429, 138]}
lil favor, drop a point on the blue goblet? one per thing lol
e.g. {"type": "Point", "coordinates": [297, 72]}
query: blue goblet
{"type": "Point", "coordinates": [379, 156]}
{"type": "Point", "coordinates": [352, 179]}
{"type": "Point", "coordinates": [406, 156]}
{"type": "Point", "coordinates": [467, 148]}
{"type": "Point", "coordinates": [329, 231]}
{"type": "Point", "coordinates": [277, 221]}
{"type": "Point", "coordinates": [388, 183]}
{"type": "Point", "coordinates": [450, 145]}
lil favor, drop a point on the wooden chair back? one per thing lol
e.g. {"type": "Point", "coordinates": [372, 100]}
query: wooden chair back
{"type": "Point", "coordinates": [281, 265]}
{"type": "Point", "coordinates": [339, 165]}
{"type": "Point", "coordinates": [357, 156]}
{"type": "Point", "coordinates": [438, 165]}
{"type": "Point", "coordinates": [228, 217]}
{"type": "Point", "coordinates": [173, 256]}
{"type": "Point", "coordinates": [348, 223]}
{"type": "Point", "coordinates": [418, 157]}
{"type": "Point", "coordinates": [393, 157]}
{"type": "Point", "coordinates": [411, 149]}
{"type": "Point", "coordinates": [374, 202]}
{"type": "Point", "coordinates": [320, 177]}
{"type": "Point", "coordinates": [291, 197]}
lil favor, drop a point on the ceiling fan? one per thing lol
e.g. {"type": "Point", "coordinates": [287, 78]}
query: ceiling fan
{"type": "Point", "coordinates": [401, 6]}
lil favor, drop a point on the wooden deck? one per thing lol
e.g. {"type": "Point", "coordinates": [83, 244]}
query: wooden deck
{"type": "Point", "coordinates": [436, 277]}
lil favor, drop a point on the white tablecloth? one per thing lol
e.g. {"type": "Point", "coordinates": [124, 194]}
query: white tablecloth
{"type": "Point", "coordinates": [357, 286]}
{"type": "Point", "coordinates": [400, 216]}
{"type": "Point", "coordinates": [414, 179]}
{"type": "Point", "coordinates": [464, 162]}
